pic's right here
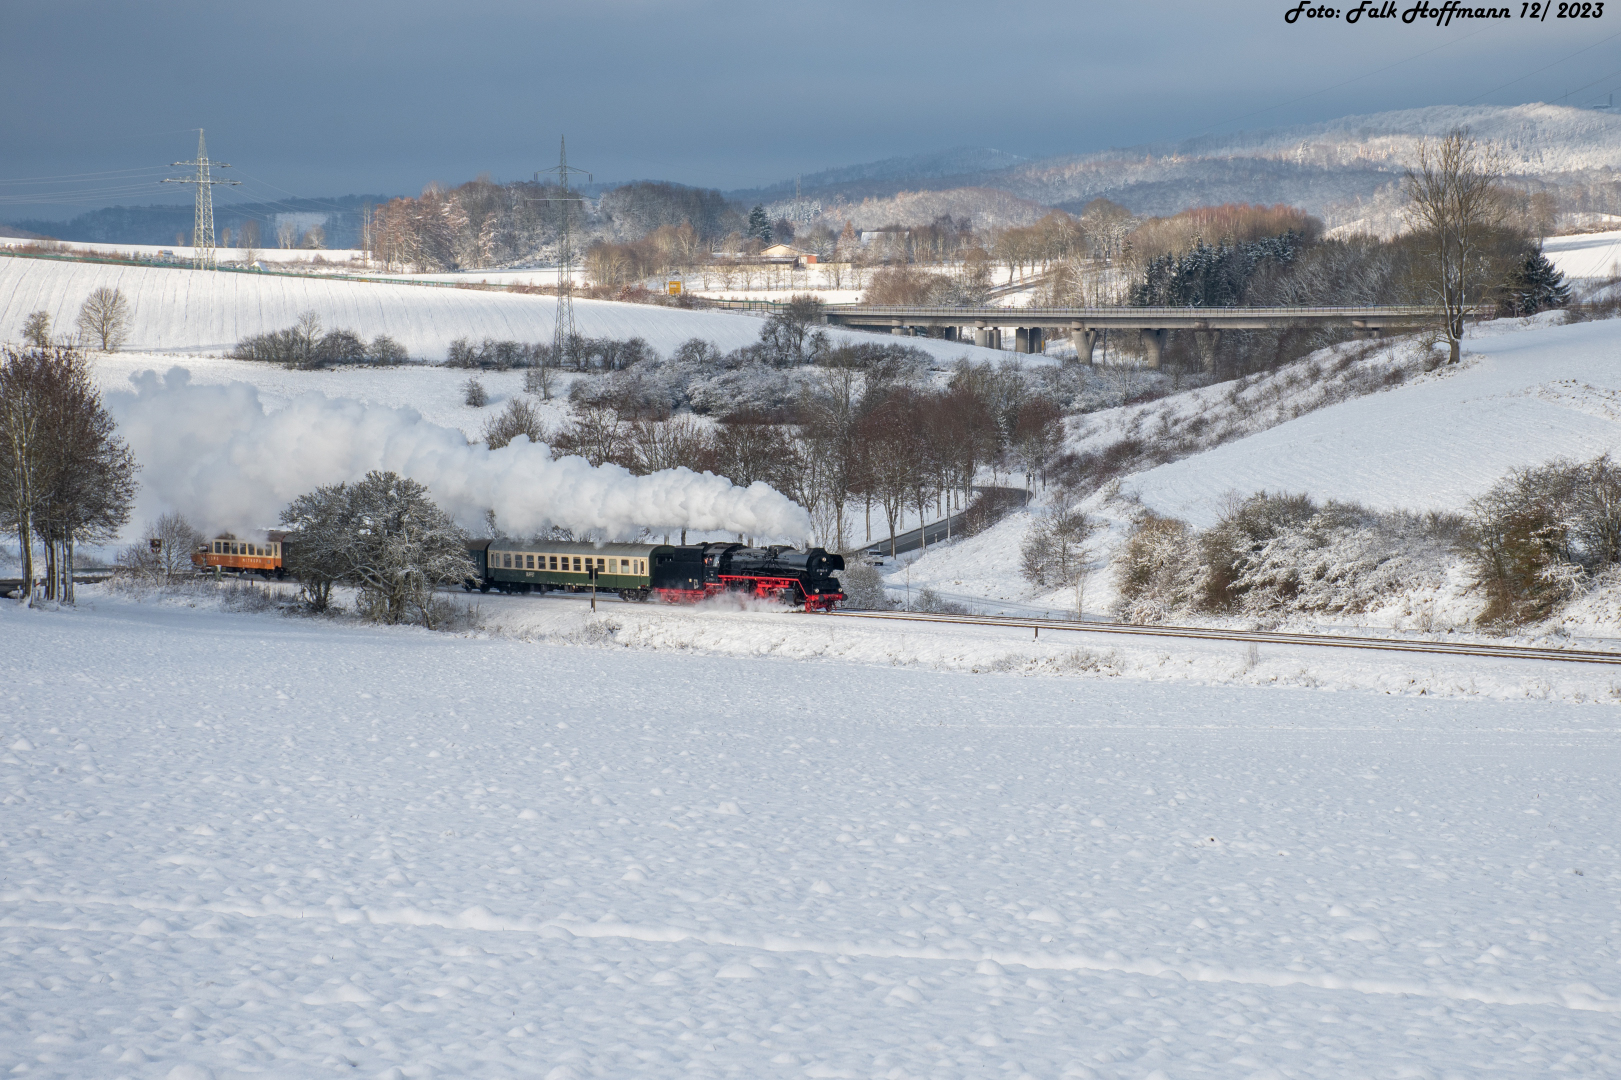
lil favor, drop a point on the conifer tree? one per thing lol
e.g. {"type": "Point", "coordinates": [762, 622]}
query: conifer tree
{"type": "Point", "coordinates": [1533, 285]}
{"type": "Point", "coordinates": [759, 225]}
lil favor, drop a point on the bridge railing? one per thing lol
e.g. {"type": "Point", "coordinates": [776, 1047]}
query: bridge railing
{"type": "Point", "coordinates": [1105, 312]}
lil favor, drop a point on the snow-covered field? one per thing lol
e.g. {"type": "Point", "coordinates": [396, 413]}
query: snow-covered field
{"type": "Point", "coordinates": [240, 845]}
{"type": "Point", "coordinates": [176, 310]}
{"type": "Point", "coordinates": [1589, 255]}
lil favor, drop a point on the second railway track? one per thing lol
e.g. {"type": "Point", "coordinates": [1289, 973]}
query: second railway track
{"type": "Point", "coordinates": [1336, 641]}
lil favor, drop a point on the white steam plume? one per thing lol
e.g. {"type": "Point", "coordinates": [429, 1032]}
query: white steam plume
{"type": "Point", "coordinates": [216, 455]}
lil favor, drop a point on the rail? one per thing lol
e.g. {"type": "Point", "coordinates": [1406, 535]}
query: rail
{"type": "Point", "coordinates": [1501, 652]}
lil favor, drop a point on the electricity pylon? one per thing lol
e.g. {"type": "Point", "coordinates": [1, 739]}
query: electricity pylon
{"type": "Point", "coordinates": [202, 234]}
{"type": "Point", "coordinates": [564, 336]}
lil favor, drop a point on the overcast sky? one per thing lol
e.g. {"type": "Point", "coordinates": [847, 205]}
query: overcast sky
{"type": "Point", "coordinates": [363, 96]}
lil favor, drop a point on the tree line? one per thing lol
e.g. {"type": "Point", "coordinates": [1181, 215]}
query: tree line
{"type": "Point", "coordinates": [861, 428]}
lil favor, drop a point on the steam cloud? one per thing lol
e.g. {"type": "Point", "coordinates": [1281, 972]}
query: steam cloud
{"type": "Point", "coordinates": [216, 455]}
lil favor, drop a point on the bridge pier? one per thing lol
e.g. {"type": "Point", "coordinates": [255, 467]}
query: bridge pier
{"type": "Point", "coordinates": [1153, 346]}
{"type": "Point", "coordinates": [1085, 342]}
{"type": "Point", "coordinates": [1209, 344]}
{"type": "Point", "coordinates": [982, 336]}
{"type": "Point", "coordinates": [1029, 339]}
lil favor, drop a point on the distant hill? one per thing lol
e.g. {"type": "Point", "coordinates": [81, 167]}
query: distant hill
{"type": "Point", "coordinates": [879, 177]}
{"type": "Point", "coordinates": [159, 223]}
{"type": "Point", "coordinates": [1330, 168]}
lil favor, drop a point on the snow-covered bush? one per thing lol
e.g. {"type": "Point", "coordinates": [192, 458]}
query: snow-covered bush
{"type": "Point", "coordinates": [385, 350]}
{"type": "Point", "coordinates": [755, 388]}
{"type": "Point", "coordinates": [493, 355]}
{"type": "Point", "coordinates": [1277, 555]}
{"type": "Point", "coordinates": [474, 394]}
{"type": "Point", "coordinates": [518, 418]}
{"type": "Point", "coordinates": [930, 602]}
{"type": "Point", "coordinates": [863, 586]}
{"type": "Point", "coordinates": [306, 345]}
{"type": "Point", "coordinates": [1054, 552]}
{"type": "Point", "coordinates": [1157, 571]}
{"type": "Point", "coordinates": [1534, 538]}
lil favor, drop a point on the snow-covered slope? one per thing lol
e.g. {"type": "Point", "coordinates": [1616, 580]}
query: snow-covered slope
{"type": "Point", "coordinates": [197, 311]}
{"type": "Point", "coordinates": [1589, 255]}
{"type": "Point", "coordinates": [1522, 397]}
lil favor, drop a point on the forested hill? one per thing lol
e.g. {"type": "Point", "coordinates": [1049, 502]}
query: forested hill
{"type": "Point", "coordinates": [1327, 168]}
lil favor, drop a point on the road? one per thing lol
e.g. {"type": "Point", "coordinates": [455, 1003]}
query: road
{"type": "Point", "coordinates": [936, 531]}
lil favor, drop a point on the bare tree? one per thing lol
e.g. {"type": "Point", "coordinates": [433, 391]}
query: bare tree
{"type": "Point", "coordinates": [37, 330]}
{"type": "Point", "coordinates": [164, 550]}
{"type": "Point", "coordinates": [890, 450]}
{"type": "Point", "coordinates": [286, 235]}
{"type": "Point", "coordinates": [518, 418]}
{"type": "Point", "coordinates": [1055, 552]}
{"type": "Point", "coordinates": [597, 434]}
{"type": "Point", "coordinates": [105, 318]}
{"type": "Point", "coordinates": [1454, 206]}
{"type": "Point", "coordinates": [250, 242]}
{"type": "Point", "coordinates": [668, 444]}
{"type": "Point", "coordinates": [537, 378]}
{"type": "Point", "coordinates": [474, 394]}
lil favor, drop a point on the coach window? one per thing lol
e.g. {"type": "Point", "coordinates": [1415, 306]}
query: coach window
{"type": "Point", "coordinates": [554, 563]}
{"type": "Point", "coordinates": [576, 564]}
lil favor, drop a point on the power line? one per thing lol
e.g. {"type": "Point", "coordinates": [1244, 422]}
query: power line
{"type": "Point", "coordinates": [564, 335]}
{"type": "Point", "coordinates": [1345, 82]}
{"type": "Point", "coordinates": [202, 235]}
{"type": "Point", "coordinates": [1541, 69]}
{"type": "Point", "coordinates": [88, 176]}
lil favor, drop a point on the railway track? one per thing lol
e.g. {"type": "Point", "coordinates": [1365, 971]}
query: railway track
{"type": "Point", "coordinates": [1335, 641]}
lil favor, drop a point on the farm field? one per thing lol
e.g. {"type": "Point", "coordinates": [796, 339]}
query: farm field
{"type": "Point", "coordinates": [194, 311]}
{"type": "Point", "coordinates": [392, 853]}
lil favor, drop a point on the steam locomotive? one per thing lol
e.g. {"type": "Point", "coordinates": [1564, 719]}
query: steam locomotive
{"type": "Point", "coordinates": [675, 574]}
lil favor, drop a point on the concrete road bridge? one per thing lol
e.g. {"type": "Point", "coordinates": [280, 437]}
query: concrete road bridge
{"type": "Point", "coordinates": [1032, 327]}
